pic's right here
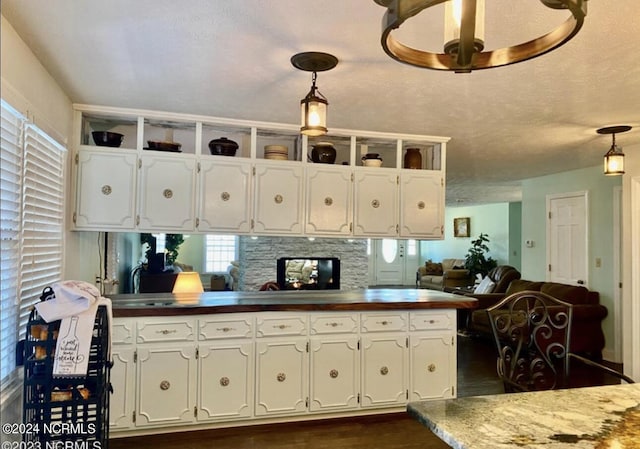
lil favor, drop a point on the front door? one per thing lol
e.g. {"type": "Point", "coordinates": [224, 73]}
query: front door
{"type": "Point", "coordinates": [394, 261]}
{"type": "Point", "coordinates": [567, 258]}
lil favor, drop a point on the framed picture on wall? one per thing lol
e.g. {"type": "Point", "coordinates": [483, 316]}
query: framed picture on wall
{"type": "Point", "coordinates": [462, 227]}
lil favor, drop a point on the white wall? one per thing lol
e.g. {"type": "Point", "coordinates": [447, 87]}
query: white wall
{"type": "Point", "coordinates": [631, 262]}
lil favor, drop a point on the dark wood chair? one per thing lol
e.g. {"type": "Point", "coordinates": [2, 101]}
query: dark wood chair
{"type": "Point", "coordinates": [532, 335]}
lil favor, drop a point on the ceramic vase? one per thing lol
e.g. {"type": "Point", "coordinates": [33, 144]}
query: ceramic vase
{"type": "Point", "coordinates": [413, 159]}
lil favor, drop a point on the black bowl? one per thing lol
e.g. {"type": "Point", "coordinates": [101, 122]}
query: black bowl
{"type": "Point", "coordinates": [107, 138]}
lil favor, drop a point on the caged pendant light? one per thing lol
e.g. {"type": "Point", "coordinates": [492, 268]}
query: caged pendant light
{"type": "Point", "coordinates": [313, 107]}
{"type": "Point", "coordinates": [614, 159]}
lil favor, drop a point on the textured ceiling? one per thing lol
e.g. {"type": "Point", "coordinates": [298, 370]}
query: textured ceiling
{"type": "Point", "coordinates": [231, 59]}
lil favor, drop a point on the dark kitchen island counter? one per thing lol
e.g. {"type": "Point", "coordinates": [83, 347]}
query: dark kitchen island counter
{"type": "Point", "coordinates": [167, 304]}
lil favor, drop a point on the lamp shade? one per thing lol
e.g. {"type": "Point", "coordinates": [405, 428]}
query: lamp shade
{"type": "Point", "coordinates": [313, 114]}
{"type": "Point", "coordinates": [188, 282]}
{"type": "Point", "coordinates": [614, 162]}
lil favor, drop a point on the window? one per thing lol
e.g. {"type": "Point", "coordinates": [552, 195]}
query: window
{"type": "Point", "coordinates": [32, 223]}
{"type": "Point", "coordinates": [220, 250]}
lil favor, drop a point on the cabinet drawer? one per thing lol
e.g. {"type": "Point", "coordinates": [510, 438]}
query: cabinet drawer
{"type": "Point", "coordinates": [334, 324]}
{"type": "Point", "coordinates": [214, 329]}
{"type": "Point", "coordinates": [292, 325]}
{"type": "Point", "coordinates": [434, 320]}
{"type": "Point", "coordinates": [160, 331]}
{"type": "Point", "coordinates": [384, 322]}
{"type": "Point", "coordinates": [122, 332]}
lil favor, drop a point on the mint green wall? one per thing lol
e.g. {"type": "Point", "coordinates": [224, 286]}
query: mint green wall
{"type": "Point", "coordinates": [600, 229]}
{"type": "Point", "coordinates": [491, 219]}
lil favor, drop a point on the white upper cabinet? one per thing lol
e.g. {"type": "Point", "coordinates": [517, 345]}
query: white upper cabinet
{"type": "Point", "coordinates": [106, 187]}
{"type": "Point", "coordinates": [422, 204]}
{"type": "Point", "coordinates": [167, 192]}
{"type": "Point", "coordinates": [278, 199]}
{"type": "Point", "coordinates": [225, 195]}
{"type": "Point", "coordinates": [376, 202]}
{"type": "Point", "coordinates": [329, 200]}
{"type": "Point", "coordinates": [161, 174]}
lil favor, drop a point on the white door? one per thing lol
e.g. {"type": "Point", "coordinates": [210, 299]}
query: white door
{"type": "Point", "coordinates": [567, 255]}
{"type": "Point", "coordinates": [395, 261]}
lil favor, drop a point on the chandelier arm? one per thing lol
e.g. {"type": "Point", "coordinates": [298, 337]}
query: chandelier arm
{"type": "Point", "coordinates": [400, 10]}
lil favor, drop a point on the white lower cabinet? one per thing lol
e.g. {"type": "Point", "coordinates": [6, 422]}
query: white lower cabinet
{"type": "Point", "coordinates": [225, 373]}
{"type": "Point", "coordinates": [166, 384]}
{"type": "Point", "coordinates": [335, 364]}
{"type": "Point", "coordinates": [384, 370]}
{"type": "Point", "coordinates": [214, 369]}
{"type": "Point", "coordinates": [281, 376]}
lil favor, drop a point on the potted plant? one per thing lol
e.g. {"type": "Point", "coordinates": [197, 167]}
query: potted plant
{"type": "Point", "coordinates": [476, 260]}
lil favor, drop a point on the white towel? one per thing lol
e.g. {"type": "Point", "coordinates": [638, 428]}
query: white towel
{"type": "Point", "coordinates": [76, 304]}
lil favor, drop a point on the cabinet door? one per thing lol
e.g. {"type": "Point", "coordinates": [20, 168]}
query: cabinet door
{"type": "Point", "coordinates": [421, 204]}
{"type": "Point", "coordinates": [122, 380]}
{"type": "Point", "coordinates": [334, 373]}
{"type": "Point", "coordinates": [329, 201]}
{"type": "Point", "coordinates": [384, 370]}
{"type": "Point", "coordinates": [224, 381]}
{"type": "Point", "coordinates": [225, 196]}
{"type": "Point", "coordinates": [166, 385]}
{"type": "Point", "coordinates": [281, 376]}
{"type": "Point", "coordinates": [105, 190]}
{"type": "Point", "coordinates": [278, 199]}
{"type": "Point", "coordinates": [167, 193]}
{"type": "Point", "coordinates": [433, 366]}
{"type": "Point", "coordinates": [376, 203]}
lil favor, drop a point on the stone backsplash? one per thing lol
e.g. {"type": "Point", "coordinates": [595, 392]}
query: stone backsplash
{"type": "Point", "coordinates": [258, 258]}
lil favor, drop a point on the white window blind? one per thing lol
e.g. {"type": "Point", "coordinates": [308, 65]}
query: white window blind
{"type": "Point", "coordinates": [10, 211]}
{"type": "Point", "coordinates": [42, 218]}
{"type": "Point", "coordinates": [32, 225]}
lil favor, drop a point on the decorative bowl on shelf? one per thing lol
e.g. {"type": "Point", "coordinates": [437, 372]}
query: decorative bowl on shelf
{"type": "Point", "coordinates": [223, 147]}
{"type": "Point", "coordinates": [276, 152]}
{"type": "Point", "coordinates": [164, 146]}
{"type": "Point", "coordinates": [372, 160]}
{"type": "Point", "coordinates": [107, 138]}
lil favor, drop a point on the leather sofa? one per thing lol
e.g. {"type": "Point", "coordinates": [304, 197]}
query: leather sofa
{"type": "Point", "coordinates": [586, 331]}
{"type": "Point", "coordinates": [438, 275]}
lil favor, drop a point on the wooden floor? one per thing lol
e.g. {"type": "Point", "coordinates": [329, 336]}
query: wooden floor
{"type": "Point", "coordinates": [476, 376]}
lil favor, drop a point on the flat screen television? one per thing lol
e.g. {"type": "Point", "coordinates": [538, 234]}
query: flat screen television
{"type": "Point", "coordinates": [308, 273]}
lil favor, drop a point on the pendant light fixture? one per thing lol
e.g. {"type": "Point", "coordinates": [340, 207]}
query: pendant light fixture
{"type": "Point", "coordinates": [313, 107]}
{"type": "Point", "coordinates": [614, 159]}
{"type": "Point", "coordinates": [464, 35]}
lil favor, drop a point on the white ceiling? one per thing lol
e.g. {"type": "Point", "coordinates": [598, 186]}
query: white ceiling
{"type": "Point", "coordinates": [231, 59]}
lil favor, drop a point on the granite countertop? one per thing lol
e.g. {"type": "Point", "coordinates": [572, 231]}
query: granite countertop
{"type": "Point", "coordinates": [149, 304]}
{"type": "Point", "coordinates": [593, 417]}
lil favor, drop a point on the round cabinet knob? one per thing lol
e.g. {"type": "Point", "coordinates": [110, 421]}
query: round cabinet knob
{"type": "Point", "coordinates": [106, 189]}
{"type": "Point", "coordinates": [421, 205]}
{"type": "Point", "coordinates": [165, 385]}
{"type": "Point", "coordinates": [225, 196]}
{"type": "Point", "coordinates": [328, 201]}
{"type": "Point", "coordinates": [224, 381]}
{"type": "Point", "coordinates": [278, 199]}
{"type": "Point", "coordinates": [431, 368]}
{"type": "Point", "coordinates": [333, 373]}
{"type": "Point", "coordinates": [167, 193]}
{"type": "Point", "coordinates": [384, 370]}
{"type": "Point", "coordinates": [375, 204]}
{"type": "Point", "coordinates": [281, 377]}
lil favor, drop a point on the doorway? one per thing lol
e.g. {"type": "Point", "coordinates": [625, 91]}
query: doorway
{"type": "Point", "coordinates": [567, 238]}
{"type": "Point", "coordinates": [393, 262]}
